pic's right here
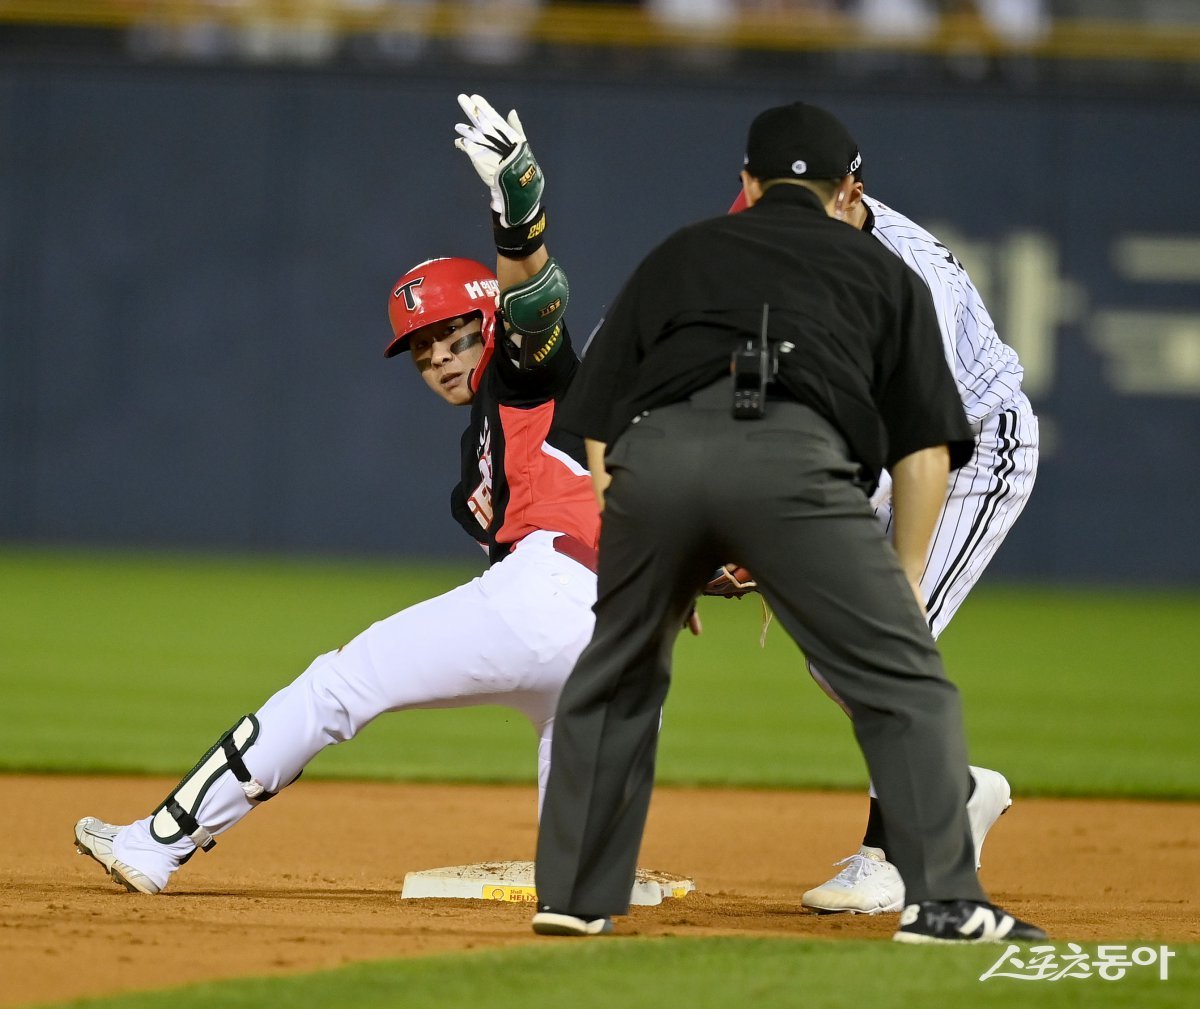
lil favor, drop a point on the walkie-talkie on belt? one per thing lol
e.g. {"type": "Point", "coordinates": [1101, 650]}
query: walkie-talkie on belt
{"type": "Point", "coordinates": [753, 367]}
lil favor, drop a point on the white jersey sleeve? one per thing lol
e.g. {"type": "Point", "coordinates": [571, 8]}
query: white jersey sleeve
{"type": "Point", "coordinates": [985, 368]}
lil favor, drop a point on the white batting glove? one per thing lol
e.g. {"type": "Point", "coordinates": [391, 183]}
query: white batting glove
{"type": "Point", "coordinates": [501, 156]}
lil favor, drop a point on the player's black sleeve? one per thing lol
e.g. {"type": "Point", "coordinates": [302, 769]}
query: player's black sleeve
{"type": "Point", "coordinates": [514, 386]}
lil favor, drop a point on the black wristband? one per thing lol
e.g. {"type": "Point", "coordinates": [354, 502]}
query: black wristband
{"type": "Point", "coordinates": [521, 240]}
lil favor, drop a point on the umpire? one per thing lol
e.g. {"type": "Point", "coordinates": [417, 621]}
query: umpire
{"type": "Point", "coordinates": [751, 380]}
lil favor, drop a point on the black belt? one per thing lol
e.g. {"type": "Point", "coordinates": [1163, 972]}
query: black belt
{"type": "Point", "coordinates": [719, 394]}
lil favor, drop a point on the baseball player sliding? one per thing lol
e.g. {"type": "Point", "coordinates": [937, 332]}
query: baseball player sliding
{"type": "Point", "coordinates": [983, 500]}
{"type": "Point", "coordinates": [498, 344]}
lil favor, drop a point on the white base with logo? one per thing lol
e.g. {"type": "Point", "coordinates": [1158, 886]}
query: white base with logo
{"type": "Point", "coordinates": [513, 881]}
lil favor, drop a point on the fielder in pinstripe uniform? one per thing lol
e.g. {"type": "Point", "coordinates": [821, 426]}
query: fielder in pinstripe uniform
{"type": "Point", "coordinates": [983, 501]}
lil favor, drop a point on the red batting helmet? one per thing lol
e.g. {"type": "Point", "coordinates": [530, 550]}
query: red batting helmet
{"type": "Point", "coordinates": [438, 290]}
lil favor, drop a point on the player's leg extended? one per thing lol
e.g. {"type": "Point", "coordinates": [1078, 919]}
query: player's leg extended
{"type": "Point", "coordinates": [535, 617]}
{"type": "Point", "coordinates": [477, 644]}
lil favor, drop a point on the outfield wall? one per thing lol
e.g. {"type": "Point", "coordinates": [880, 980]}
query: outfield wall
{"type": "Point", "coordinates": [196, 263]}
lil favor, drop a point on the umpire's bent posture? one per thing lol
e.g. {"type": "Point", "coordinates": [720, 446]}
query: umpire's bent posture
{"type": "Point", "coordinates": [838, 371]}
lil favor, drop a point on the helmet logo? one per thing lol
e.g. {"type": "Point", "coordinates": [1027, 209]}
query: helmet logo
{"type": "Point", "coordinates": [485, 288]}
{"type": "Point", "coordinates": [405, 291]}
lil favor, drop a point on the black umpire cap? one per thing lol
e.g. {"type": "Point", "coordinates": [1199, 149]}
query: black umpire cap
{"type": "Point", "coordinates": [800, 141]}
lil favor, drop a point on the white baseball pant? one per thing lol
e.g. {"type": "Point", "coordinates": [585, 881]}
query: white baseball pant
{"type": "Point", "coordinates": [509, 637]}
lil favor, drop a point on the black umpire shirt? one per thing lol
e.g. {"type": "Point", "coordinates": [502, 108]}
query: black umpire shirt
{"type": "Point", "coordinates": [858, 335]}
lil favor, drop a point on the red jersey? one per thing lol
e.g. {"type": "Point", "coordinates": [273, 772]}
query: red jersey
{"type": "Point", "coordinates": [520, 472]}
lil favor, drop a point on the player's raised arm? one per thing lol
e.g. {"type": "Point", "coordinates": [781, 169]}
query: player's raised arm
{"type": "Point", "coordinates": [500, 153]}
{"type": "Point", "coordinates": [533, 287]}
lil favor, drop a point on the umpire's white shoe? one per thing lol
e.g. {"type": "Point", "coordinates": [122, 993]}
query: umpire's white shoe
{"type": "Point", "coordinates": [549, 922]}
{"type": "Point", "coordinates": [869, 884]}
{"type": "Point", "coordinates": [992, 796]}
{"type": "Point", "coordinates": [95, 838]}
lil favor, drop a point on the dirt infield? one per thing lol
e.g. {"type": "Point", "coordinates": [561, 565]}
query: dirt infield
{"type": "Point", "coordinates": [313, 880]}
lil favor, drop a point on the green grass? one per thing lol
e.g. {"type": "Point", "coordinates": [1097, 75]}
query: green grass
{"type": "Point", "coordinates": [693, 973]}
{"type": "Point", "coordinates": [121, 662]}
{"type": "Point", "coordinates": [1101, 685]}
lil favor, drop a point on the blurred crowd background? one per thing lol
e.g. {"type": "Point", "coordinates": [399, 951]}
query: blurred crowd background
{"type": "Point", "coordinates": [964, 37]}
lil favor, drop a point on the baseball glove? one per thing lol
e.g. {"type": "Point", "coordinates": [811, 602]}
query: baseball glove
{"type": "Point", "coordinates": [731, 582]}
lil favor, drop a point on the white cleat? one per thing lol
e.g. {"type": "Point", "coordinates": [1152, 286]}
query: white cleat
{"type": "Point", "coordinates": [869, 884]}
{"type": "Point", "coordinates": [95, 838]}
{"type": "Point", "coordinates": [991, 798]}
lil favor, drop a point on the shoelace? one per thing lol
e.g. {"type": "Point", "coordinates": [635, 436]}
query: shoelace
{"type": "Point", "coordinates": [858, 866]}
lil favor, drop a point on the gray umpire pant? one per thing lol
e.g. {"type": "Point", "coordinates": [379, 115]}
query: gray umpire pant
{"type": "Point", "coordinates": [692, 489]}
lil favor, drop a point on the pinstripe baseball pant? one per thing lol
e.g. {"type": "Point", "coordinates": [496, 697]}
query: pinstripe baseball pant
{"type": "Point", "coordinates": [984, 500]}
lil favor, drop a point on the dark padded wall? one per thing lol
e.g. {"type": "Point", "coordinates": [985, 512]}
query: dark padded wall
{"type": "Point", "coordinates": [196, 264]}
